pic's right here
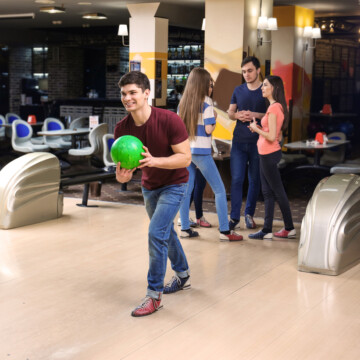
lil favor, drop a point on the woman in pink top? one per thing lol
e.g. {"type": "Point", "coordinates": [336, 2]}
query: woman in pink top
{"type": "Point", "coordinates": [273, 124]}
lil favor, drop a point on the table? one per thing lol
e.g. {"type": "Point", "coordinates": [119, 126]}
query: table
{"type": "Point", "coordinates": [301, 145]}
{"type": "Point", "coordinates": [74, 133]}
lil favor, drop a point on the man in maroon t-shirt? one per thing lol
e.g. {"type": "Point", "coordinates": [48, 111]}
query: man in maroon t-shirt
{"type": "Point", "coordinates": [164, 183]}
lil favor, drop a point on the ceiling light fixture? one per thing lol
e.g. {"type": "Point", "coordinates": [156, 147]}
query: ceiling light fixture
{"type": "Point", "coordinates": [53, 9]}
{"type": "Point", "coordinates": [17, 16]}
{"type": "Point", "coordinates": [45, 2]}
{"type": "Point", "coordinates": [95, 16]}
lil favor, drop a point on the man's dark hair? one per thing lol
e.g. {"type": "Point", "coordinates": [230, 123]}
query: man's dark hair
{"type": "Point", "coordinates": [135, 77]}
{"type": "Point", "coordinates": [252, 59]}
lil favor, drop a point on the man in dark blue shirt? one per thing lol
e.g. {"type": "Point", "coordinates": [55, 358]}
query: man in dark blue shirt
{"type": "Point", "coordinates": [247, 103]}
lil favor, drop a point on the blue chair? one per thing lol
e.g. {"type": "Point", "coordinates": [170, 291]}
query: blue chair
{"type": "Point", "coordinates": [2, 129]}
{"type": "Point", "coordinates": [108, 140]}
{"type": "Point", "coordinates": [10, 118]}
{"type": "Point", "coordinates": [55, 142]}
{"type": "Point", "coordinates": [21, 138]}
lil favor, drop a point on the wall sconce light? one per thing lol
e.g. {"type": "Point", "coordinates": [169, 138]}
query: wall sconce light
{"type": "Point", "coordinates": [265, 23]}
{"type": "Point", "coordinates": [311, 33]}
{"type": "Point", "coordinates": [123, 31]}
{"type": "Point", "coordinates": [203, 24]}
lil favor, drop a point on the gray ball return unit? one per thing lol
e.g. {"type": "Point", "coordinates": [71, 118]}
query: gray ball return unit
{"type": "Point", "coordinates": [330, 230]}
{"type": "Point", "coordinates": [30, 189]}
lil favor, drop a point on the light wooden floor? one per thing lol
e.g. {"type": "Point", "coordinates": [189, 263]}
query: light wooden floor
{"type": "Point", "coordinates": [67, 288]}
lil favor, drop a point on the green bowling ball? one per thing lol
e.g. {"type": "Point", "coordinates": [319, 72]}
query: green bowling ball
{"type": "Point", "coordinates": [127, 150]}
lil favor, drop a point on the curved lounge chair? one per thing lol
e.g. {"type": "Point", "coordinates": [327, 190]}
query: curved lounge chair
{"type": "Point", "coordinates": [21, 138]}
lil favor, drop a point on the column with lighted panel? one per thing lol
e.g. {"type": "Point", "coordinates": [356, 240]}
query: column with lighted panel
{"type": "Point", "coordinates": [230, 35]}
{"type": "Point", "coordinates": [148, 50]}
{"type": "Point", "coordinates": [292, 59]}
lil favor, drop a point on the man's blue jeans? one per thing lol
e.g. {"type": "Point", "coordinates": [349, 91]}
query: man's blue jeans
{"type": "Point", "coordinates": [162, 205]}
{"type": "Point", "coordinates": [207, 166]}
{"type": "Point", "coordinates": [242, 155]}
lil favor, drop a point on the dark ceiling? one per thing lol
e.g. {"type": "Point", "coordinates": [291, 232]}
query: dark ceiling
{"type": "Point", "coordinates": [182, 13]}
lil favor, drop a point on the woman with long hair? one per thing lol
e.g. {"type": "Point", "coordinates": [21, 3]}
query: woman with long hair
{"type": "Point", "coordinates": [196, 110]}
{"type": "Point", "coordinates": [273, 124]}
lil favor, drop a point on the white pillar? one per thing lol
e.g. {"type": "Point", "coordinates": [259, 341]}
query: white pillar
{"type": "Point", "coordinates": [149, 48]}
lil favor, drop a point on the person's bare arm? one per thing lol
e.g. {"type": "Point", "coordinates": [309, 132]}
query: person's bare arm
{"type": "Point", "coordinates": [209, 129]}
{"type": "Point", "coordinates": [237, 115]}
{"type": "Point", "coordinates": [180, 159]}
{"type": "Point", "coordinates": [249, 115]}
{"type": "Point", "coordinates": [268, 135]}
{"type": "Point", "coordinates": [232, 111]}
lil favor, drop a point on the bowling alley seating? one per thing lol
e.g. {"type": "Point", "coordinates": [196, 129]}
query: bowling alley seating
{"type": "Point", "coordinates": [108, 140]}
{"type": "Point", "coordinates": [337, 155]}
{"type": "Point", "coordinates": [346, 168]}
{"type": "Point", "coordinates": [96, 143]}
{"type": "Point", "coordinates": [55, 142]}
{"type": "Point", "coordinates": [78, 123]}
{"type": "Point", "coordinates": [10, 118]}
{"type": "Point", "coordinates": [92, 153]}
{"type": "Point", "coordinates": [2, 129]}
{"type": "Point", "coordinates": [29, 190]}
{"type": "Point", "coordinates": [21, 138]}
